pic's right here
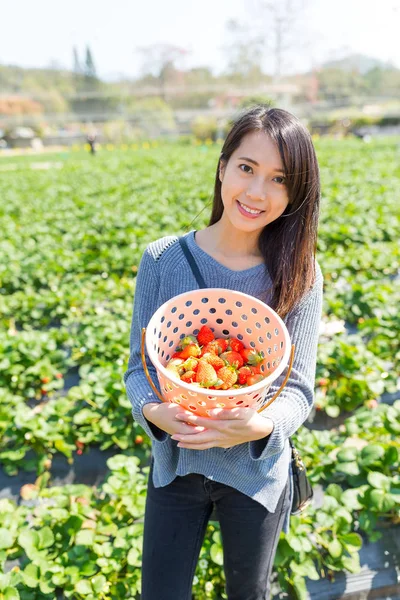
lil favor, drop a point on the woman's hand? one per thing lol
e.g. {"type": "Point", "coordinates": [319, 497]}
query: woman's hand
{"type": "Point", "coordinates": [164, 416]}
{"type": "Point", "coordinates": [227, 428]}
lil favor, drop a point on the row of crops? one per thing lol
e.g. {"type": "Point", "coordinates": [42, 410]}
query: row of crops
{"type": "Point", "coordinates": [73, 232]}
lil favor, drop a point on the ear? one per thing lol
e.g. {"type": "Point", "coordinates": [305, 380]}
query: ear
{"type": "Point", "coordinates": [222, 165]}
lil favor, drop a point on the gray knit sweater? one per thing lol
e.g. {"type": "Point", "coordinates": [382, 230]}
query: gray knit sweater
{"type": "Point", "coordinates": [258, 469]}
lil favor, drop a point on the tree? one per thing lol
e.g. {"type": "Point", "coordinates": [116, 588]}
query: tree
{"type": "Point", "coordinates": [77, 68]}
{"type": "Point", "coordinates": [282, 20]}
{"type": "Point", "coordinates": [244, 53]}
{"type": "Point", "coordinates": [162, 62]}
{"type": "Point", "coordinates": [90, 69]}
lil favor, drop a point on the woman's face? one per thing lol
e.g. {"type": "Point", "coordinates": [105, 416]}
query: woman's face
{"type": "Point", "coordinates": [253, 186]}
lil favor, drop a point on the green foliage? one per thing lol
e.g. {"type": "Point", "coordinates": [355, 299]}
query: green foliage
{"type": "Point", "coordinates": [205, 128]}
{"type": "Point", "coordinates": [252, 100]}
{"type": "Point", "coordinates": [72, 238]}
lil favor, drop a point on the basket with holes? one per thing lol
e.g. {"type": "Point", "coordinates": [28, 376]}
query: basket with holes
{"type": "Point", "coordinates": [229, 314]}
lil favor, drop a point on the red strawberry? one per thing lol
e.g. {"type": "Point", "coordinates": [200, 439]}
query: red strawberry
{"type": "Point", "coordinates": [222, 343]}
{"type": "Point", "coordinates": [251, 356]}
{"type": "Point", "coordinates": [212, 348]}
{"type": "Point", "coordinates": [233, 358]}
{"type": "Point", "coordinates": [228, 376]}
{"type": "Point", "coordinates": [206, 374]}
{"type": "Point", "coordinates": [189, 377]}
{"type": "Point", "coordinates": [205, 336]}
{"type": "Point", "coordinates": [254, 378]}
{"type": "Point", "coordinates": [262, 368]}
{"type": "Point", "coordinates": [190, 350]}
{"type": "Point", "coordinates": [235, 345]}
{"type": "Point", "coordinates": [214, 360]}
{"type": "Point", "coordinates": [243, 374]}
{"type": "Point", "coordinates": [45, 379]}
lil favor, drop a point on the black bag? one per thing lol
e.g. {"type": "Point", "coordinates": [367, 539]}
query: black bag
{"type": "Point", "coordinates": [302, 490]}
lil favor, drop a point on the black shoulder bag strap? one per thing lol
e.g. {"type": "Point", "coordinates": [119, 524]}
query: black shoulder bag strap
{"type": "Point", "coordinates": [192, 263]}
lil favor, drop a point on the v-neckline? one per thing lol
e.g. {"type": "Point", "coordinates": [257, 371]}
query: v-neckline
{"type": "Point", "coordinates": [238, 273]}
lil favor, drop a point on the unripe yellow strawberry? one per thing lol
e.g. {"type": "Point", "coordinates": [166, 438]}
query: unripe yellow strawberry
{"type": "Point", "coordinates": [214, 360]}
{"type": "Point", "coordinates": [206, 374]}
{"type": "Point", "coordinates": [228, 376]}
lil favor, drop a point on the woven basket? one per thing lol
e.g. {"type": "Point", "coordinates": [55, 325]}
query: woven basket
{"type": "Point", "coordinates": [229, 314]}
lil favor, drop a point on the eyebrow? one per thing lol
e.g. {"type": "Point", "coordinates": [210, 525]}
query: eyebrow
{"type": "Point", "coordinates": [251, 160]}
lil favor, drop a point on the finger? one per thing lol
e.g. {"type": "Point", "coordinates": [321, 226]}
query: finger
{"type": "Point", "coordinates": [226, 413]}
{"type": "Point", "coordinates": [189, 429]}
{"type": "Point", "coordinates": [200, 421]}
{"type": "Point", "coordinates": [202, 437]}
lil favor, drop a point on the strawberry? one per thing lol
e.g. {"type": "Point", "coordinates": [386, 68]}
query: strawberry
{"type": "Point", "coordinates": [189, 377]}
{"type": "Point", "coordinates": [243, 374]}
{"type": "Point", "coordinates": [214, 360]}
{"type": "Point", "coordinates": [233, 358]}
{"type": "Point", "coordinates": [190, 350]}
{"type": "Point", "coordinates": [188, 339]}
{"type": "Point", "coordinates": [206, 374]}
{"type": "Point", "coordinates": [254, 378]}
{"type": "Point", "coordinates": [235, 345]}
{"type": "Point", "coordinates": [175, 366]}
{"type": "Point", "coordinates": [222, 343]}
{"type": "Point", "coordinates": [262, 368]}
{"type": "Point", "coordinates": [228, 376]}
{"type": "Point", "coordinates": [190, 364]}
{"type": "Point", "coordinates": [205, 336]}
{"type": "Point", "coordinates": [212, 348]}
{"type": "Point", "coordinates": [251, 356]}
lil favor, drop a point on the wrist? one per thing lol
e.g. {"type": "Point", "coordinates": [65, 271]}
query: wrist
{"type": "Point", "coordinates": [148, 410]}
{"type": "Point", "coordinates": [266, 427]}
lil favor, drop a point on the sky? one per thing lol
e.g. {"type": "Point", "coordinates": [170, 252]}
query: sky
{"type": "Point", "coordinates": [43, 32]}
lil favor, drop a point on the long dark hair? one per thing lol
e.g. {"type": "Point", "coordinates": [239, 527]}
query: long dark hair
{"type": "Point", "coordinates": [289, 243]}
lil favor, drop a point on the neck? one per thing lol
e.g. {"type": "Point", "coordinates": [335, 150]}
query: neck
{"type": "Point", "coordinates": [233, 243]}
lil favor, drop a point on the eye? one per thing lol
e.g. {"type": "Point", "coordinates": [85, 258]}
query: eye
{"type": "Point", "coordinates": [283, 180]}
{"type": "Point", "coordinates": [245, 167]}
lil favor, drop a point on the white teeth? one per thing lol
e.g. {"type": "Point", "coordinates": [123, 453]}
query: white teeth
{"type": "Point", "coordinates": [250, 210]}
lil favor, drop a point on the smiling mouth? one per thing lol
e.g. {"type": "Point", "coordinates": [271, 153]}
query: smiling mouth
{"type": "Point", "coordinates": [249, 210]}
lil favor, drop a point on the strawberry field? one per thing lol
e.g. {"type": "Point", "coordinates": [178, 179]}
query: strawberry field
{"type": "Point", "coordinates": [73, 229]}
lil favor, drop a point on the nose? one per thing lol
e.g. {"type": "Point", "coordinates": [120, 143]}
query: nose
{"type": "Point", "coordinates": [257, 192]}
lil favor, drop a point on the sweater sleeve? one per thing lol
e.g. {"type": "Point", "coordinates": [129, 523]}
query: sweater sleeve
{"type": "Point", "coordinates": [294, 403]}
{"type": "Point", "coordinates": [138, 388]}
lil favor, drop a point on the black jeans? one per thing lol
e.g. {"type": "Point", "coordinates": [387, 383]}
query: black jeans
{"type": "Point", "coordinates": [174, 527]}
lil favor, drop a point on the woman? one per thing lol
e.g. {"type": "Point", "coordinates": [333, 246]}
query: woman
{"type": "Point", "coordinates": [261, 240]}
